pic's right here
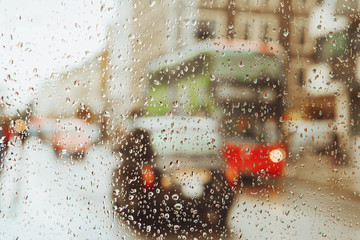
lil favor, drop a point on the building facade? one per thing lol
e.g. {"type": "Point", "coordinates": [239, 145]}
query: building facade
{"type": "Point", "coordinates": [153, 28]}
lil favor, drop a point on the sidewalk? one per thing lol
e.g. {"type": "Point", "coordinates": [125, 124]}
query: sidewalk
{"type": "Point", "coordinates": [321, 169]}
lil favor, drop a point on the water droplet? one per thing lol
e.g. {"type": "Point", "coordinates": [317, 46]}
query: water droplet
{"type": "Point", "coordinates": [131, 36]}
{"type": "Point", "coordinates": [106, 114]}
{"type": "Point", "coordinates": [178, 206]}
{"type": "Point", "coordinates": [152, 3]}
{"type": "Point", "coordinates": [352, 122]}
{"type": "Point", "coordinates": [175, 197]}
{"type": "Point", "coordinates": [286, 32]}
{"type": "Point", "coordinates": [116, 192]}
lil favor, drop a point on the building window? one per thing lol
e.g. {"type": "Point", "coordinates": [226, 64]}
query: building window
{"type": "Point", "coordinates": [205, 30]}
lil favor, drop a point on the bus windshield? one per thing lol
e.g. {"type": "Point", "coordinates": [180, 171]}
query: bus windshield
{"type": "Point", "coordinates": [247, 128]}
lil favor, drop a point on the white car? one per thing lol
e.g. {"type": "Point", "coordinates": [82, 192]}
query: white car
{"type": "Point", "coordinates": [313, 135]}
{"type": "Point", "coordinates": [68, 136]}
{"type": "Point", "coordinates": [310, 135]}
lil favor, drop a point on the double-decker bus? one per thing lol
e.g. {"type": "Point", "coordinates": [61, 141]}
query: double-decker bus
{"type": "Point", "coordinates": [240, 82]}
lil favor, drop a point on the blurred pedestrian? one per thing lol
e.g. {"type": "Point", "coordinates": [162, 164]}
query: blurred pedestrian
{"type": "Point", "coordinates": [136, 152]}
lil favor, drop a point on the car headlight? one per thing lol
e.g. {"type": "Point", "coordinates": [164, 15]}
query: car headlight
{"type": "Point", "coordinates": [277, 155]}
{"type": "Point", "coordinates": [166, 181]}
{"type": "Point", "coordinates": [20, 125]}
{"type": "Point", "coordinates": [232, 176]}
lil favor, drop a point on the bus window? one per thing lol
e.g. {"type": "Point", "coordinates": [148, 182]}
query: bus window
{"type": "Point", "coordinates": [193, 94]}
{"type": "Point", "coordinates": [157, 100]}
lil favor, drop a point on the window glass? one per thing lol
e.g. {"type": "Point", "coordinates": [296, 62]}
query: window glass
{"type": "Point", "coordinates": [183, 119]}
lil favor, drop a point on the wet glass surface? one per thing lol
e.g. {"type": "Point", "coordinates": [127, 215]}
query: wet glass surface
{"type": "Point", "coordinates": [184, 119]}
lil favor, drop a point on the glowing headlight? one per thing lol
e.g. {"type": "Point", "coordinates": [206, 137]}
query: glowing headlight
{"type": "Point", "coordinates": [20, 125]}
{"type": "Point", "coordinates": [277, 155]}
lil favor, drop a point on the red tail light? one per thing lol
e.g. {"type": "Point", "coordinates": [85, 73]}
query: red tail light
{"type": "Point", "coordinates": [10, 133]}
{"type": "Point", "coordinates": [148, 176]}
{"type": "Point", "coordinates": [232, 176]}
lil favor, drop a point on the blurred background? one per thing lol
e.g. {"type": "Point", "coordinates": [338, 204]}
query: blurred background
{"type": "Point", "coordinates": [91, 62]}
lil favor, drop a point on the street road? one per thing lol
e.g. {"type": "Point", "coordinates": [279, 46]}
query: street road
{"type": "Point", "coordinates": [64, 198]}
{"type": "Point", "coordinates": [295, 210]}
{"type": "Point", "coordinates": [59, 197]}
